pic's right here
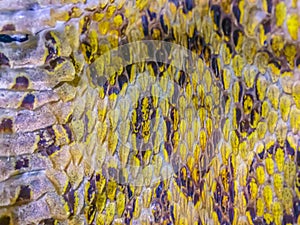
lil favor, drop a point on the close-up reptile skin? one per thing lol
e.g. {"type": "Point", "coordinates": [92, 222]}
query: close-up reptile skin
{"type": "Point", "coordinates": [149, 112]}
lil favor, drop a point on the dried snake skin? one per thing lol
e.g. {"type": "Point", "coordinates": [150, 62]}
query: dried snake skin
{"type": "Point", "coordinates": [149, 112]}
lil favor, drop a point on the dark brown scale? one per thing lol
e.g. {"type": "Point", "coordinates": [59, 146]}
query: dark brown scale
{"type": "Point", "coordinates": [156, 210]}
{"type": "Point", "coordinates": [113, 90]}
{"type": "Point", "coordinates": [86, 25]}
{"type": "Point", "coordinates": [145, 25]}
{"type": "Point", "coordinates": [28, 101]}
{"type": "Point", "coordinates": [182, 79]}
{"type": "Point", "coordinates": [47, 139]}
{"type": "Point", "coordinates": [122, 79]}
{"type": "Point", "coordinates": [22, 163]}
{"type": "Point", "coordinates": [271, 150]}
{"type": "Point", "coordinates": [287, 219]}
{"type": "Point", "coordinates": [25, 194]}
{"type": "Point", "coordinates": [91, 213]}
{"type": "Point", "coordinates": [3, 60]}
{"type": "Point", "coordinates": [196, 198]}
{"type": "Point", "coordinates": [298, 62]}
{"type": "Point", "coordinates": [235, 36]}
{"type": "Point", "coordinates": [219, 213]}
{"type": "Point", "coordinates": [22, 83]}
{"type": "Point", "coordinates": [215, 67]}
{"type": "Point", "coordinates": [251, 210]}
{"type": "Point", "coordinates": [296, 210]}
{"type": "Point", "coordinates": [245, 126]}
{"type": "Point", "coordinates": [289, 149]}
{"type": "Point", "coordinates": [169, 148]}
{"type": "Point", "coordinates": [231, 214]}
{"type": "Point", "coordinates": [226, 26]}
{"type": "Point", "coordinates": [54, 63]}
{"type": "Point", "coordinates": [5, 220]}
{"type": "Point", "coordinates": [50, 221]}
{"type": "Point", "coordinates": [69, 197]}
{"type": "Point", "coordinates": [6, 126]}
{"type": "Point", "coordinates": [216, 9]}
{"type": "Point", "coordinates": [206, 53]}
{"type": "Point", "coordinates": [237, 13]}
{"type": "Point", "coordinates": [162, 24]}
{"type": "Point", "coordinates": [69, 132]}
{"type": "Point", "coordinates": [9, 27]}
{"type": "Point", "coordinates": [269, 5]}
{"type": "Point", "coordinates": [218, 194]}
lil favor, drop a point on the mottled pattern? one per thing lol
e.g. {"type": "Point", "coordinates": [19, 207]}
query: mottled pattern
{"type": "Point", "coordinates": [85, 140]}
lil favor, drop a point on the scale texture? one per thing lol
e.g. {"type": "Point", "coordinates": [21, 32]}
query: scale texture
{"type": "Point", "coordinates": [90, 135]}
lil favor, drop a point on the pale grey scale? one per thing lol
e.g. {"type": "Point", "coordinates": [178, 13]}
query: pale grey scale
{"type": "Point", "coordinates": [28, 121]}
{"type": "Point", "coordinates": [18, 144]}
{"type": "Point", "coordinates": [36, 184]}
{"type": "Point", "coordinates": [22, 164]}
{"type": "Point", "coordinates": [39, 78]}
{"type": "Point", "coordinates": [13, 99]}
{"type": "Point", "coordinates": [49, 205]}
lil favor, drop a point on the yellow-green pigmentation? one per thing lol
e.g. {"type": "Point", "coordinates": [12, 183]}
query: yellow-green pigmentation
{"type": "Point", "coordinates": [149, 112]}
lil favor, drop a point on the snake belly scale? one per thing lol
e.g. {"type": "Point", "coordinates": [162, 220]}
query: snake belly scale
{"type": "Point", "coordinates": [149, 112]}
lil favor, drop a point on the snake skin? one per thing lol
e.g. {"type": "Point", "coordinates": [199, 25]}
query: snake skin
{"type": "Point", "coordinates": [85, 140]}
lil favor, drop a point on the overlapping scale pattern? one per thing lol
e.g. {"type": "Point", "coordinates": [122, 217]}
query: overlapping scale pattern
{"type": "Point", "coordinates": [149, 112]}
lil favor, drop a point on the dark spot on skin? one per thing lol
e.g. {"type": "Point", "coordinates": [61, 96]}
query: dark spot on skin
{"type": "Point", "coordinates": [6, 126]}
{"type": "Point", "coordinates": [22, 83]}
{"type": "Point", "coordinates": [22, 163]}
{"type": "Point", "coordinates": [226, 26]}
{"type": "Point", "coordinates": [28, 101]}
{"type": "Point", "coordinates": [4, 60]}
{"type": "Point", "coordinates": [217, 14]}
{"type": "Point", "coordinates": [24, 194]}
{"type": "Point", "coordinates": [145, 25]}
{"type": "Point", "coordinates": [5, 220]}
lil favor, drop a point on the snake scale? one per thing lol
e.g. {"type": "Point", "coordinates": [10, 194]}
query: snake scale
{"type": "Point", "coordinates": [92, 132]}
